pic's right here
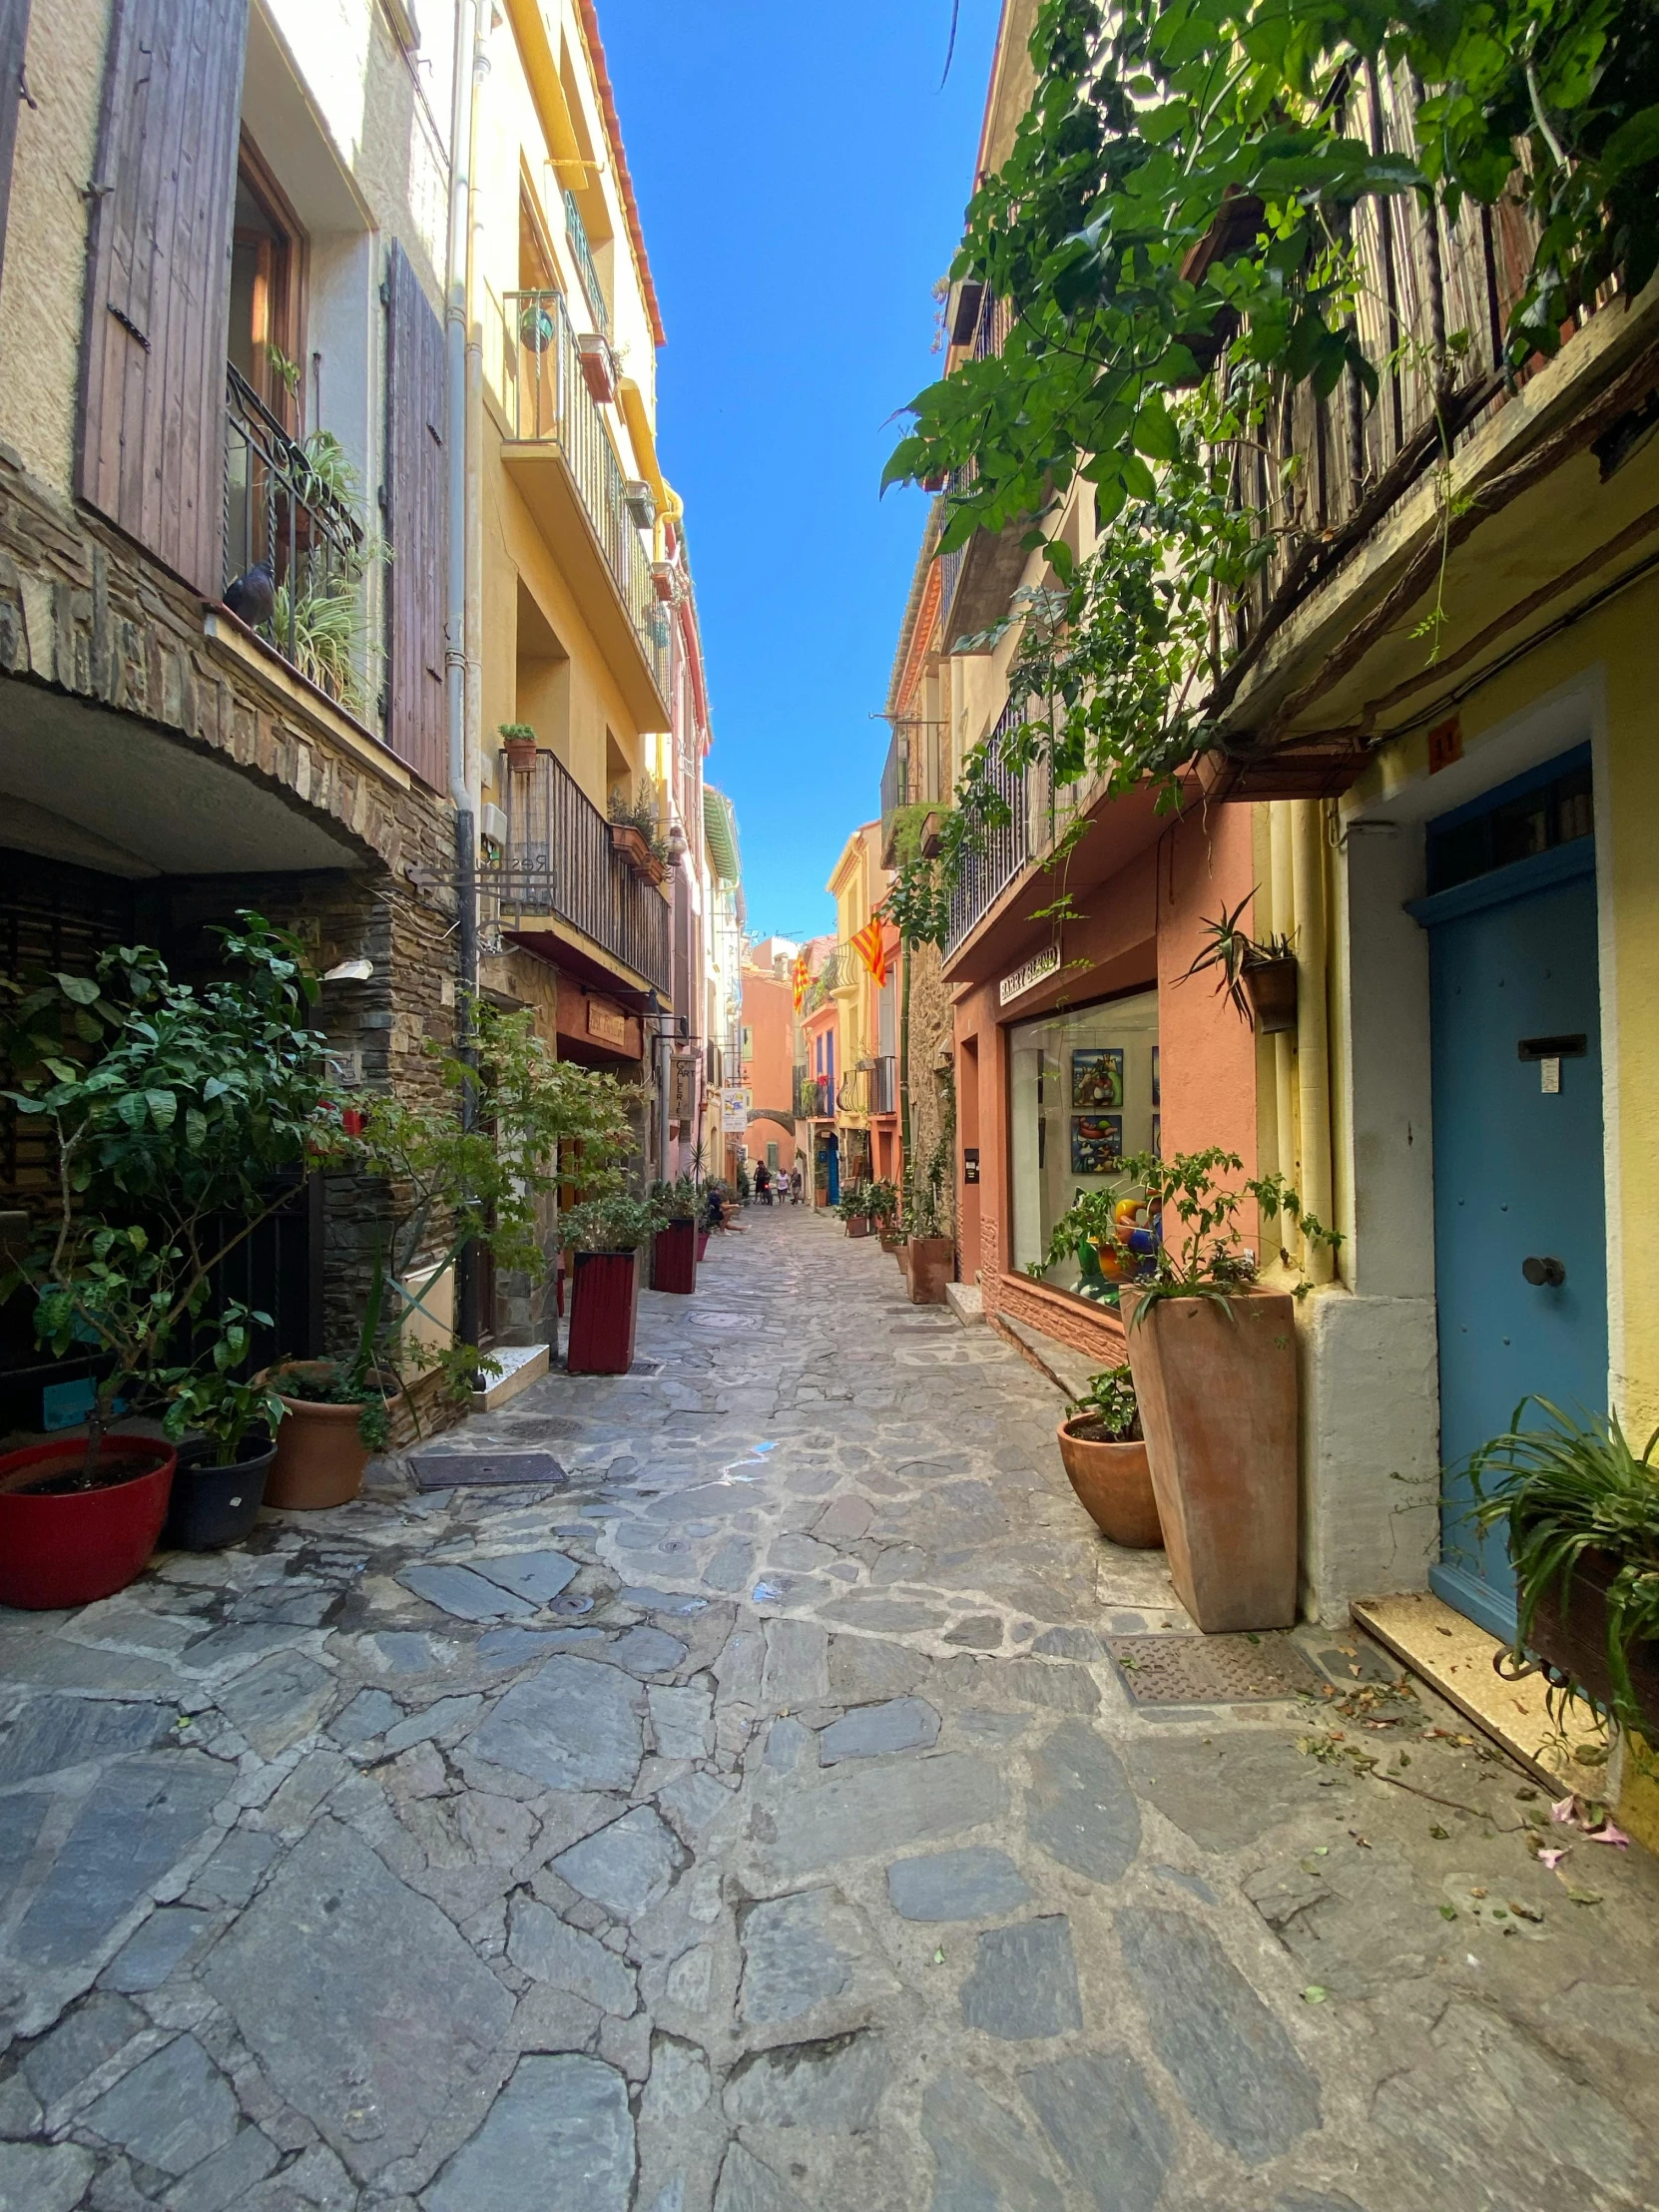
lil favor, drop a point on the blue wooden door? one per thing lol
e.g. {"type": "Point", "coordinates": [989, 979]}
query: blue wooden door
{"type": "Point", "coordinates": [1517, 1177]}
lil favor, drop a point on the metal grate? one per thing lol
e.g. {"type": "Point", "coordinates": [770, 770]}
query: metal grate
{"type": "Point", "coordinates": [1213, 1670]}
{"type": "Point", "coordinates": [455, 1471]}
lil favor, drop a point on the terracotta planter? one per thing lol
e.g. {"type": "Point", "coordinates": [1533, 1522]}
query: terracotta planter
{"type": "Point", "coordinates": [519, 754]}
{"type": "Point", "coordinates": [858, 1225]}
{"type": "Point", "coordinates": [81, 1545]}
{"type": "Point", "coordinates": [888, 1244]}
{"type": "Point", "coordinates": [321, 1455]}
{"type": "Point", "coordinates": [214, 1505]}
{"type": "Point", "coordinates": [1269, 987]}
{"type": "Point", "coordinates": [634, 848]}
{"type": "Point", "coordinates": [1113, 1484]}
{"type": "Point", "coordinates": [674, 1258]}
{"type": "Point", "coordinates": [1216, 1384]}
{"type": "Point", "coordinates": [604, 1313]}
{"type": "Point", "coordinates": [1571, 1641]}
{"type": "Point", "coordinates": [932, 1266]}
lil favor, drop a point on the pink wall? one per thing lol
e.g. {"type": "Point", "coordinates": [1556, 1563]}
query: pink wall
{"type": "Point", "coordinates": [768, 1014]}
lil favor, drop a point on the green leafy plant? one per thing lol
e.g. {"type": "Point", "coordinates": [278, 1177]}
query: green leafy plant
{"type": "Point", "coordinates": [1111, 1406]}
{"type": "Point", "coordinates": [1228, 950]}
{"type": "Point", "coordinates": [855, 1203]}
{"type": "Point", "coordinates": [615, 1222]}
{"type": "Point", "coordinates": [884, 1204]}
{"type": "Point", "coordinates": [640, 812]}
{"type": "Point", "coordinates": [1568, 1491]}
{"type": "Point", "coordinates": [216, 1400]}
{"type": "Point", "coordinates": [519, 733]}
{"type": "Point", "coordinates": [676, 1200]}
{"type": "Point", "coordinates": [169, 1111]}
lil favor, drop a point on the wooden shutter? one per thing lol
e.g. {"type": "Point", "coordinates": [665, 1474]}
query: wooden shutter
{"type": "Point", "coordinates": [417, 511]}
{"type": "Point", "coordinates": [151, 422]}
{"type": "Point", "coordinates": [14, 40]}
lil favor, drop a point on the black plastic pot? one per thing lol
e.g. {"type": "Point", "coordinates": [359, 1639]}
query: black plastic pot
{"type": "Point", "coordinates": [214, 1506]}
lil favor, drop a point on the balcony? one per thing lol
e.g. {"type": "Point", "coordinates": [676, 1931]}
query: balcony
{"type": "Point", "coordinates": [993, 862]}
{"type": "Point", "coordinates": [576, 234]}
{"type": "Point", "coordinates": [559, 865]}
{"type": "Point", "coordinates": [281, 512]}
{"type": "Point", "coordinates": [883, 1085]}
{"type": "Point", "coordinates": [560, 457]}
{"type": "Point", "coordinates": [814, 1098]}
{"type": "Point", "coordinates": [858, 1088]}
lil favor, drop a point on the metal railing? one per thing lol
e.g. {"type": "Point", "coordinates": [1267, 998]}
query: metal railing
{"type": "Point", "coordinates": [281, 516]}
{"type": "Point", "coordinates": [992, 861]}
{"type": "Point", "coordinates": [895, 774]}
{"type": "Point", "coordinates": [576, 233]}
{"type": "Point", "coordinates": [559, 860]}
{"type": "Point", "coordinates": [814, 1097]}
{"type": "Point", "coordinates": [884, 1088]}
{"type": "Point", "coordinates": [547, 401]}
{"type": "Point", "coordinates": [854, 1095]}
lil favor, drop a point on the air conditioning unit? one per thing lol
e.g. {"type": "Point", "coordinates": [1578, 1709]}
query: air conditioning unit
{"type": "Point", "coordinates": [492, 823]}
{"type": "Point", "coordinates": [597, 365]}
{"type": "Point", "coordinates": [962, 313]}
{"type": "Point", "coordinates": [640, 501]}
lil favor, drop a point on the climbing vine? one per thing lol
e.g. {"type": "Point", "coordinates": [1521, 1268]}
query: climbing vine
{"type": "Point", "coordinates": [1171, 233]}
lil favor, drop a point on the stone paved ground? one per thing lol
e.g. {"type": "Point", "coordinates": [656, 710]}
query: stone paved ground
{"type": "Point", "coordinates": [758, 1821]}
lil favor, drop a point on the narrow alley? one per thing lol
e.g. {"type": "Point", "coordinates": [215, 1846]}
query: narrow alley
{"type": "Point", "coordinates": [750, 1813]}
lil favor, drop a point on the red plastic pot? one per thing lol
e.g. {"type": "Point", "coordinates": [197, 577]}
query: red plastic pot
{"type": "Point", "coordinates": [87, 1545]}
{"type": "Point", "coordinates": [603, 1307]}
{"type": "Point", "coordinates": [674, 1258]}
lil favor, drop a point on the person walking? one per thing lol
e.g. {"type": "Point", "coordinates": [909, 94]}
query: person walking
{"type": "Point", "coordinates": [763, 1183]}
{"type": "Point", "coordinates": [794, 1184]}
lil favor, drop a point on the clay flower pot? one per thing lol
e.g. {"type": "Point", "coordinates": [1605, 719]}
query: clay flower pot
{"type": "Point", "coordinates": [1216, 1381]}
{"type": "Point", "coordinates": [1570, 1640]}
{"type": "Point", "coordinates": [933, 1261]}
{"type": "Point", "coordinates": [603, 1311]}
{"type": "Point", "coordinates": [519, 754]}
{"type": "Point", "coordinates": [858, 1225]}
{"type": "Point", "coordinates": [319, 1455]}
{"type": "Point", "coordinates": [1269, 987]}
{"type": "Point", "coordinates": [1113, 1483]}
{"type": "Point", "coordinates": [68, 1547]}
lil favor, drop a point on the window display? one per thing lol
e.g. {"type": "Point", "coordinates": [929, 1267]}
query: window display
{"type": "Point", "coordinates": [1085, 1092]}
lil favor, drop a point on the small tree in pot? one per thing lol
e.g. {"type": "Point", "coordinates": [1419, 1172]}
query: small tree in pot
{"type": "Point", "coordinates": [1215, 1370]}
{"type": "Point", "coordinates": [674, 1247]}
{"type": "Point", "coordinates": [606, 1235]}
{"type": "Point", "coordinates": [170, 1112]}
{"type": "Point", "coordinates": [856, 1208]}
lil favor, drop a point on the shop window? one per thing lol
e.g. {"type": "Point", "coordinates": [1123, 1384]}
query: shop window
{"type": "Point", "coordinates": [1084, 1094]}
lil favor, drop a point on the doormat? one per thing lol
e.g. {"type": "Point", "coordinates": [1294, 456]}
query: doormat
{"type": "Point", "coordinates": [1213, 1670]}
{"type": "Point", "coordinates": [471, 1470]}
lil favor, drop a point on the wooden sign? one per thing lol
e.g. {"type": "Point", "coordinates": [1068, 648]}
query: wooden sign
{"type": "Point", "coordinates": [607, 1024]}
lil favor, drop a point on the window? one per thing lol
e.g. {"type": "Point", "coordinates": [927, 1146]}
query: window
{"type": "Point", "coordinates": [1548, 806]}
{"type": "Point", "coordinates": [1084, 1091]}
{"type": "Point", "coordinates": [265, 342]}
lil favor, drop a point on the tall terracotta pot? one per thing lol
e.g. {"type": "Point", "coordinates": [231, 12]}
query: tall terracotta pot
{"type": "Point", "coordinates": [1217, 1386]}
{"type": "Point", "coordinates": [931, 1264]}
{"type": "Point", "coordinates": [604, 1313]}
{"type": "Point", "coordinates": [674, 1258]}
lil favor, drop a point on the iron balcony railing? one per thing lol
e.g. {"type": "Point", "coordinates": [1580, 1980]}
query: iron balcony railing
{"type": "Point", "coordinates": [281, 516]}
{"type": "Point", "coordinates": [883, 1085]}
{"type": "Point", "coordinates": [548, 401]}
{"type": "Point", "coordinates": [896, 777]}
{"type": "Point", "coordinates": [992, 861]}
{"type": "Point", "coordinates": [814, 1097]}
{"type": "Point", "coordinates": [559, 860]}
{"type": "Point", "coordinates": [576, 233]}
{"type": "Point", "coordinates": [858, 1089]}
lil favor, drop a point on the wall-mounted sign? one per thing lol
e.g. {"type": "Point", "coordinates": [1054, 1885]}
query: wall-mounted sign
{"type": "Point", "coordinates": [607, 1024]}
{"type": "Point", "coordinates": [970, 1163]}
{"type": "Point", "coordinates": [1445, 744]}
{"type": "Point", "coordinates": [1034, 971]}
{"type": "Point", "coordinates": [734, 1110]}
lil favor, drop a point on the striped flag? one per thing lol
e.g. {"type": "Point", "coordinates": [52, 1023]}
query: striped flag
{"type": "Point", "coordinates": [798, 979]}
{"type": "Point", "coordinates": [866, 943]}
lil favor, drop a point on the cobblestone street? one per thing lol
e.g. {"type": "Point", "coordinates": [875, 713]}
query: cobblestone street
{"type": "Point", "coordinates": [756, 1818]}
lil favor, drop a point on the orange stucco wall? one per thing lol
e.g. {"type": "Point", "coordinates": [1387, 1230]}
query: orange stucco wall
{"type": "Point", "coordinates": [1140, 927]}
{"type": "Point", "coordinates": [768, 1071]}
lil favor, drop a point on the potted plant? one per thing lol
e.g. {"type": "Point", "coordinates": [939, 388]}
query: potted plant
{"type": "Point", "coordinates": [1104, 1455]}
{"type": "Point", "coordinates": [674, 1247]}
{"type": "Point", "coordinates": [928, 1254]}
{"type": "Point", "coordinates": [170, 1112]}
{"type": "Point", "coordinates": [1259, 978]}
{"type": "Point", "coordinates": [226, 1430]}
{"type": "Point", "coordinates": [1112, 1237]}
{"type": "Point", "coordinates": [1215, 1370]}
{"type": "Point", "coordinates": [636, 832]}
{"type": "Point", "coordinates": [853, 1207]}
{"type": "Point", "coordinates": [518, 746]}
{"type": "Point", "coordinates": [446, 1178]}
{"type": "Point", "coordinates": [883, 1213]}
{"type": "Point", "coordinates": [605, 1236]}
{"type": "Point", "coordinates": [1581, 1511]}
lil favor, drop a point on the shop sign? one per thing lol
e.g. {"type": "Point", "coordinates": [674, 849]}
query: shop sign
{"type": "Point", "coordinates": [607, 1024]}
{"type": "Point", "coordinates": [734, 1110]}
{"type": "Point", "coordinates": [1035, 970]}
{"type": "Point", "coordinates": [970, 1163]}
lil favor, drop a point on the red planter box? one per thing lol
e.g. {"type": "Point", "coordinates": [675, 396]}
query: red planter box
{"type": "Point", "coordinates": [604, 1308]}
{"type": "Point", "coordinates": [674, 1258]}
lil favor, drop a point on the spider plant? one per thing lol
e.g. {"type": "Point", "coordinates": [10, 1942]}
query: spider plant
{"type": "Point", "coordinates": [1228, 950]}
{"type": "Point", "coordinates": [1567, 1489]}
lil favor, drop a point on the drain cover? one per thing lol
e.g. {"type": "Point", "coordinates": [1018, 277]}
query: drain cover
{"type": "Point", "coordinates": [456, 1470]}
{"type": "Point", "coordinates": [1212, 1670]}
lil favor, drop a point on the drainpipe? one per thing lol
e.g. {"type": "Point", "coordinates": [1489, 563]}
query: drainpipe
{"type": "Point", "coordinates": [1312, 1043]}
{"type": "Point", "coordinates": [1282, 883]}
{"type": "Point", "coordinates": [463, 138]}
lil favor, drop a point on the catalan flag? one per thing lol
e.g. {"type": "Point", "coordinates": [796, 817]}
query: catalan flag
{"type": "Point", "coordinates": [866, 943]}
{"type": "Point", "coordinates": [798, 979]}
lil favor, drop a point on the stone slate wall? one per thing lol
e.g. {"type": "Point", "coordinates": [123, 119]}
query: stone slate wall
{"type": "Point", "coordinates": [931, 1049]}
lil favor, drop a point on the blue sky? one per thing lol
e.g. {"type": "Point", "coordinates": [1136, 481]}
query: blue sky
{"type": "Point", "coordinates": [801, 179]}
